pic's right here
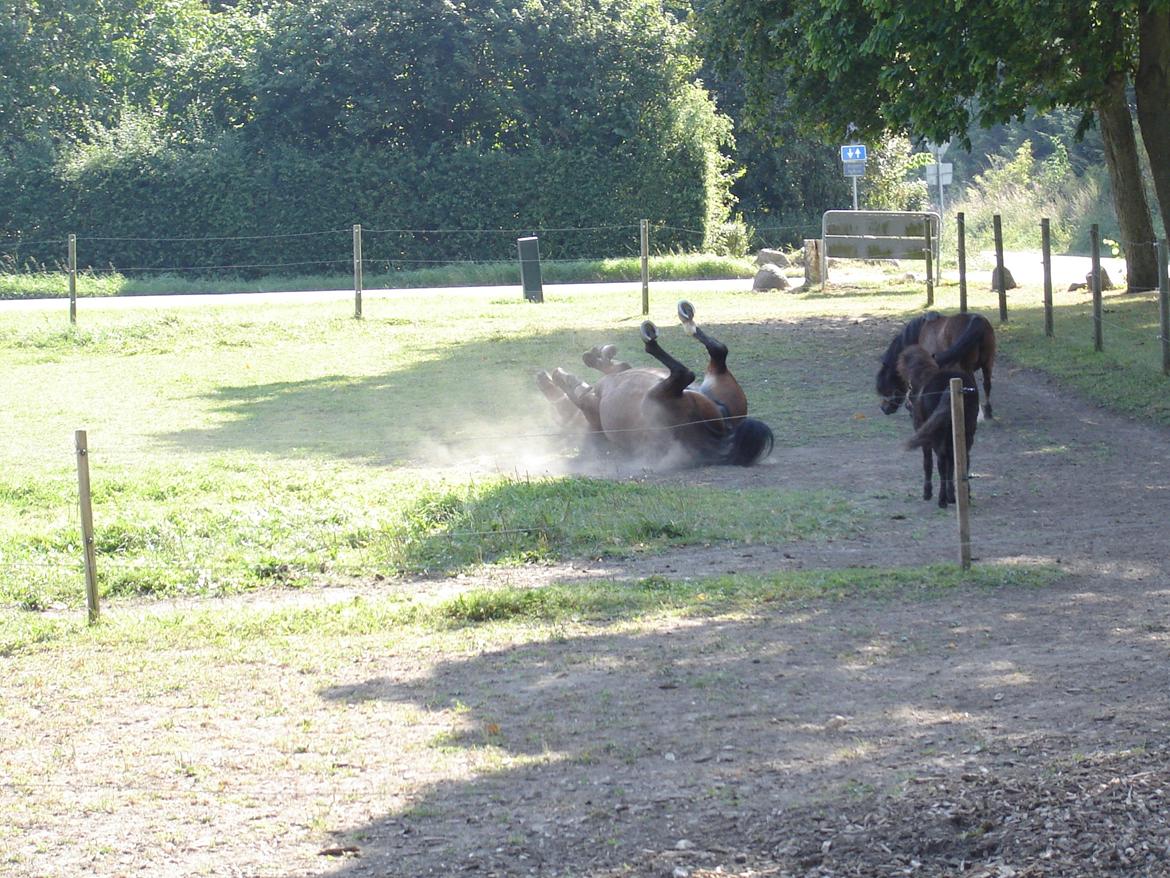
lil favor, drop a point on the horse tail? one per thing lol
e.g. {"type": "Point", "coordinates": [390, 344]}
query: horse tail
{"type": "Point", "coordinates": [749, 443]}
{"type": "Point", "coordinates": [972, 334]}
{"type": "Point", "coordinates": [941, 416]}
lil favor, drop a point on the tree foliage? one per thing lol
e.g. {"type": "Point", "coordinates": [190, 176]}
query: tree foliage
{"type": "Point", "coordinates": [270, 114]}
{"type": "Point", "coordinates": [938, 69]}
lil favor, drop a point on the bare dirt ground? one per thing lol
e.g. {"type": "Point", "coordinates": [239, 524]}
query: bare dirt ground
{"type": "Point", "coordinates": [1007, 732]}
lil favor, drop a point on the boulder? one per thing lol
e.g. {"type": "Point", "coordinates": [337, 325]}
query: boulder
{"type": "Point", "coordinates": [1106, 281]}
{"type": "Point", "coordinates": [1009, 282]}
{"type": "Point", "coordinates": [772, 257]}
{"type": "Point", "coordinates": [769, 277]}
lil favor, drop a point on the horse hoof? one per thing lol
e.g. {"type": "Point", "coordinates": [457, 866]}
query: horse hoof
{"type": "Point", "coordinates": [649, 332]}
{"type": "Point", "coordinates": [547, 386]}
{"type": "Point", "coordinates": [686, 311]}
{"type": "Point", "coordinates": [562, 379]}
{"type": "Point", "coordinates": [593, 358]}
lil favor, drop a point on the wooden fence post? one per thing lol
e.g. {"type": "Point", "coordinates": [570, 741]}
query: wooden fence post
{"type": "Point", "coordinates": [1046, 258]}
{"type": "Point", "coordinates": [645, 249]}
{"type": "Point", "coordinates": [961, 243]}
{"type": "Point", "coordinates": [1164, 303]}
{"type": "Point", "coordinates": [1095, 283]}
{"type": "Point", "coordinates": [87, 543]}
{"type": "Point", "coordinates": [1000, 280]}
{"type": "Point", "coordinates": [929, 263]}
{"type": "Point", "coordinates": [358, 279]}
{"type": "Point", "coordinates": [72, 257]}
{"type": "Point", "coordinates": [962, 488]}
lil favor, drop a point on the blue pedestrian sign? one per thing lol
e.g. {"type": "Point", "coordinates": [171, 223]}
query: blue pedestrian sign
{"type": "Point", "coordinates": [853, 152]}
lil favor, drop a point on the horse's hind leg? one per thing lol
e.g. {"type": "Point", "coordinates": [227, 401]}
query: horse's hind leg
{"type": "Point", "coordinates": [946, 475]}
{"type": "Point", "coordinates": [680, 377]}
{"type": "Point", "coordinates": [927, 472]}
{"type": "Point", "coordinates": [987, 392]}
{"type": "Point", "coordinates": [716, 350]}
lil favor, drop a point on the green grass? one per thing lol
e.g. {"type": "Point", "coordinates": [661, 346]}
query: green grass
{"type": "Point", "coordinates": [30, 285]}
{"type": "Point", "coordinates": [516, 608]}
{"type": "Point", "coordinates": [245, 446]}
{"type": "Point", "coordinates": [1126, 375]}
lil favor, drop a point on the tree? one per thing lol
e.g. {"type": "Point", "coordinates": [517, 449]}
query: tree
{"type": "Point", "coordinates": [492, 74]}
{"type": "Point", "coordinates": [1152, 88]}
{"type": "Point", "coordinates": [937, 69]}
{"type": "Point", "coordinates": [67, 66]}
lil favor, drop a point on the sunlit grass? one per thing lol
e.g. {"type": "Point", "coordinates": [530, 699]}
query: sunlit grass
{"type": "Point", "coordinates": [515, 609]}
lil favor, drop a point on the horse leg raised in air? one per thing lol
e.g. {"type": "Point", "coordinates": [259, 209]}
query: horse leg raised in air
{"type": "Point", "coordinates": [930, 399]}
{"type": "Point", "coordinates": [718, 382]}
{"type": "Point", "coordinates": [660, 413]}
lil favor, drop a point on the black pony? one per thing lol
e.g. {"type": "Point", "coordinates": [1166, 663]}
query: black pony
{"type": "Point", "coordinates": [966, 340]}
{"type": "Point", "coordinates": [930, 405]}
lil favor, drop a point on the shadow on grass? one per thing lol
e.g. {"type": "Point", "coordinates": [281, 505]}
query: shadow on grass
{"type": "Point", "coordinates": [479, 398]}
{"type": "Point", "coordinates": [453, 402]}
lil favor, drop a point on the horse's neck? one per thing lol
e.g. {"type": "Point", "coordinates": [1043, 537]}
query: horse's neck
{"type": "Point", "coordinates": [921, 375]}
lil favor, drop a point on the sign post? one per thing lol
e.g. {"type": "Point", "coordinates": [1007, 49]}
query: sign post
{"type": "Point", "coordinates": [939, 174]}
{"type": "Point", "coordinates": [938, 150]}
{"type": "Point", "coordinates": [853, 157]}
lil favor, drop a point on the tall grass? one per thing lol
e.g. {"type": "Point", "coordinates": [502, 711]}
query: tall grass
{"type": "Point", "coordinates": [1021, 190]}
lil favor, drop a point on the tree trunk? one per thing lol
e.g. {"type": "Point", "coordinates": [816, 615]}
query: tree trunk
{"type": "Point", "coordinates": [1129, 197]}
{"type": "Point", "coordinates": [1152, 85]}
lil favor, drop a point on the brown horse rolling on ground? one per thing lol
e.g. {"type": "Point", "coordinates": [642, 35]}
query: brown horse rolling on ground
{"type": "Point", "coordinates": [930, 406]}
{"type": "Point", "coordinates": [964, 340]}
{"type": "Point", "coordinates": [660, 415]}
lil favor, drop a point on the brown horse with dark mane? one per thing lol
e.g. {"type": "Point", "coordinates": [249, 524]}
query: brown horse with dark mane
{"type": "Point", "coordinates": [965, 340]}
{"type": "Point", "coordinates": [661, 414]}
{"type": "Point", "coordinates": [930, 406]}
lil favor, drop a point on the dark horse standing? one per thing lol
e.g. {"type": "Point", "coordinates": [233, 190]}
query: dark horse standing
{"type": "Point", "coordinates": [930, 405]}
{"type": "Point", "coordinates": [965, 340]}
{"type": "Point", "coordinates": [658, 413]}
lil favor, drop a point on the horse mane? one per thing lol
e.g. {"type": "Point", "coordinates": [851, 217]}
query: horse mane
{"type": "Point", "coordinates": [909, 335]}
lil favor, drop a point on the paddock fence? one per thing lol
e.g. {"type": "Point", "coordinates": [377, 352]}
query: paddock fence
{"type": "Point", "coordinates": [330, 543]}
{"type": "Point", "coordinates": [375, 258]}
